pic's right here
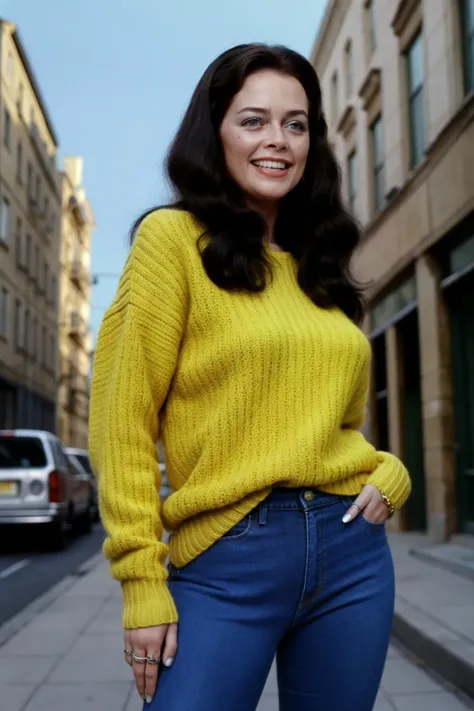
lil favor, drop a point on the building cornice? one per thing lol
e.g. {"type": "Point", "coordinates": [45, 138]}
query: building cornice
{"type": "Point", "coordinates": [31, 76]}
{"type": "Point", "coordinates": [329, 30]}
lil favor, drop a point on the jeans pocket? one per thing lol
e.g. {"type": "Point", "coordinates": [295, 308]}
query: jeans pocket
{"type": "Point", "coordinates": [239, 530]}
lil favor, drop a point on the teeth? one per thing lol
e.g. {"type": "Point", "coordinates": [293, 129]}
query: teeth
{"type": "Point", "coordinates": [275, 164]}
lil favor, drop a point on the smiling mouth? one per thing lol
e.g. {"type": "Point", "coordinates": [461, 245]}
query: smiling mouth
{"type": "Point", "coordinates": [271, 164]}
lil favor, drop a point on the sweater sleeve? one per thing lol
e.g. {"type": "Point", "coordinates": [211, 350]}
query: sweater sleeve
{"type": "Point", "coordinates": [390, 476]}
{"type": "Point", "coordinates": [135, 360]}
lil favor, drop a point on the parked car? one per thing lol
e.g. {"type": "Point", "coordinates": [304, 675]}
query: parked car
{"type": "Point", "coordinates": [80, 459]}
{"type": "Point", "coordinates": [39, 486]}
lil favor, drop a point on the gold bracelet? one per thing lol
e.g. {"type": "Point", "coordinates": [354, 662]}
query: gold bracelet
{"type": "Point", "coordinates": [388, 504]}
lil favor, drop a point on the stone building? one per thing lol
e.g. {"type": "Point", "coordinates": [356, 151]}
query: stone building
{"type": "Point", "coordinates": [398, 80]}
{"type": "Point", "coordinates": [30, 205]}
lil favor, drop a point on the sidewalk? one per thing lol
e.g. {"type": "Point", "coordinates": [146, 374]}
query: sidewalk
{"type": "Point", "coordinates": [69, 655]}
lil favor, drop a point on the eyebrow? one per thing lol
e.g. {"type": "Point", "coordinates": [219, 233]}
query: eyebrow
{"type": "Point", "coordinates": [258, 110]}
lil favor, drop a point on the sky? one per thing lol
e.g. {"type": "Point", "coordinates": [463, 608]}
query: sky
{"type": "Point", "coordinates": [117, 75]}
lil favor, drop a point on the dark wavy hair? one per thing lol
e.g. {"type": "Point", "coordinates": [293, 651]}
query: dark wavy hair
{"type": "Point", "coordinates": [312, 222]}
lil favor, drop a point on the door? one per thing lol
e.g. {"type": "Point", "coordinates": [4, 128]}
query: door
{"type": "Point", "coordinates": [461, 303]}
{"type": "Point", "coordinates": [413, 422]}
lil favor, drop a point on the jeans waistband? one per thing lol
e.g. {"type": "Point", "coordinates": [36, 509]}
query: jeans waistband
{"type": "Point", "coordinates": [303, 499]}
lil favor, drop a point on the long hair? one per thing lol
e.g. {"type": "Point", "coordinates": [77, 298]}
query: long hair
{"type": "Point", "coordinates": [312, 222]}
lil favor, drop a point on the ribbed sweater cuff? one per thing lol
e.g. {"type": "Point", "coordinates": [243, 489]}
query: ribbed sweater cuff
{"type": "Point", "coordinates": [391, 478]}
{"type": "Point", "coordinates": [147, 603]}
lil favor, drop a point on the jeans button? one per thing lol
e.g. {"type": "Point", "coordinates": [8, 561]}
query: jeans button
{"type": "Point", "coordinates": [308, 496]}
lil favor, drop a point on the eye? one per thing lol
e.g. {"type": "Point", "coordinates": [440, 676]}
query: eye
{"type": "Point", "coordinates": [252, 122]}
{"type": "Point", "coordinates": [297, 126]}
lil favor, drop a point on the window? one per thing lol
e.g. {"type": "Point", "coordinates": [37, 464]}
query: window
{"type": "Point", "coordinates": [28, 256]}
{"type": "Point", "coordinates": [29, 180]}
{"type": "Point", "coordinates": [19, 103]}
{"type": "Point", "coordinates": [54, 289]}
{"type": "Point", "coordinates": [352, 181]}
{"type": "Point", "coordinates": [467, 30]}
{"type": "Point", "coordinates": [5, 220]}
{"type": "Point", "coordinates": [34, 339]}
{"type": "Point", "coordinates": [45, 279]}
{"type": "Point", "coordinates": [19, 243]}
{"type": "Point", "coordinates": [7, 128]}
{"type": "Point", "coordinates": [349, 68]}
{"type": "Point", "coordinates": [9, 68]}
{"type": "Point", "coordinates": [334, 97]}
{"type": "Point", "coordinates": [414, 59]}
{"type": "Point", "coordinates": [22, 453]}
{"type": "Point", "coordinates": [19, 162]}
{"type": "Point", "coordinates": [19, 332]}
{"type": "Point", "coordinates": [371, 24]}
{"type": "Point", "coordinates": [4, 313]}
{"type": "Point", "coordinates": [26, 331]}
{"type": "Point", "coordinates": [36, 264]}
{"type": "Point", "coordinates": [44, 345]}
{"type": "Point", "coordinates": [377, 163]}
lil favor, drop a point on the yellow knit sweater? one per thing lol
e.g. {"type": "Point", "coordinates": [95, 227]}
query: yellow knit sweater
{"type": "Point", "coordinates": [247, 391]}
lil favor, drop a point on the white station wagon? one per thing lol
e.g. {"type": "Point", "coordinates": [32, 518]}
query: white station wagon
{"type": "Point", "coordinates": [39, 485]}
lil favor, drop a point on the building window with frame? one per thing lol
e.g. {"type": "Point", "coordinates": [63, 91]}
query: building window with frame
{"type": "Point", "coordinates": [352, 181]}
{"type": "Point", "coordinates": [19, 333]}
{"type": "Point", "coordinates": [416, 98]}
{"type": "Point", "coordinates": [19, 243]}
{"type": "Point", "coordinates": [376, 136]}
{"type": "Point", "coordinates": [467, 32]}
{"type": "Point", "coordinates": [349, 68]}
{"type": "Point", "coordinates": [28, 254]}
{"type": "Point", "coordinates": [4, 313]}
{"type": "Point", "coordinates": [7, 128]}
{"type": "Point", "coordinates": [29, 180]}
{"type": "Point", "coordinates": [19, 162]}
{"type": "Point", "coordinates": [334, 97]}
{"type": "Point", "coordinates": [34, 339]}
{"type": "Point", "coordinates": [370, 28]}
{"type": "Point", "coordinates": [5, 220]}
{"type": "Point", "coordinates": [26, 332]}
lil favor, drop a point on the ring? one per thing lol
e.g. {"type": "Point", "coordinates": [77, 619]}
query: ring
{"type": "Point", "coordinates": [153, 660]}
{"type": "Point", "coordinates": [128, 652]}
{"type": "Point", "coordinates": [139, 660]}
{"type": "Point", "coordinates": [356, 506]}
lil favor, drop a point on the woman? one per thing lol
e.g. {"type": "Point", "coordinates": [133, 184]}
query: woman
{"type": "Point", "coordinates": [234, 337]}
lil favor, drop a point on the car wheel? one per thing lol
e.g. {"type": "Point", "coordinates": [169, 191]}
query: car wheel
{"type": "Point", "coordinates": [57, 535]}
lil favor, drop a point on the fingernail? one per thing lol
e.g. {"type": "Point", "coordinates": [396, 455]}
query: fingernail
{"type": "Point", "coordinates": [149, 699]}
{"type": "Point", "coordinates": [346, 518]}
{"type": "Point", "coordinates": [169, 662]}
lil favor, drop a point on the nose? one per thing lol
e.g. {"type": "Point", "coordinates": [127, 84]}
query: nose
{"type": "Point", "coordinates": [275, 138]}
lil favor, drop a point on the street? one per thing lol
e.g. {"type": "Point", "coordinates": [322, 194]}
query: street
{"type": "Point", "coordinates": [27, 571]}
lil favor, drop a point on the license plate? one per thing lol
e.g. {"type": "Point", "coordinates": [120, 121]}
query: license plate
{"type": "Point", "coordinates": [8, 488]}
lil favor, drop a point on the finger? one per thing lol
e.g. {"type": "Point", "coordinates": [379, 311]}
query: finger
{"type": "Point", "coordinates": [139, 670]}
{"type": "Point", "coordinates": [171, 645]}
{"type": "Point", "coordinates": [127, 645]}
{"type": "Point", "coordinates": [359, 505]}
{"type": "Point", "coordinates": [151, 675]}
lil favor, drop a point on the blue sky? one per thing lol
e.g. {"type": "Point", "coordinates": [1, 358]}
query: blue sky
{"type": "Point", "coordinates": [116, 76]}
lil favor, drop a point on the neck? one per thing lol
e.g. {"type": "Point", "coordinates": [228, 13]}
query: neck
{"type": "Point", "coordinates": [269, 213]}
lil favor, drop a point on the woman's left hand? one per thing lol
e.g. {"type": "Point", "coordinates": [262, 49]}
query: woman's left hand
{"type": "Point", "coordinates": [368, 504]}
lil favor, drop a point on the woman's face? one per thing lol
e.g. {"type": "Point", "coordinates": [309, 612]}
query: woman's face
{"type": "Point", "coordinates": [265, 136]}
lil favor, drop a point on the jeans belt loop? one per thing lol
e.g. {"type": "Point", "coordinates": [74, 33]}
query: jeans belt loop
{"type": "Point", "coordinates": [262, 513]}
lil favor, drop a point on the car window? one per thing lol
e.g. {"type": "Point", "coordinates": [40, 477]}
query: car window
{"type": "Point", "coordinates": [60, 458]}
{"type": "Point", "coordinates": [22, 453]}
{"type": "Point", "coordinates": [84, 462]}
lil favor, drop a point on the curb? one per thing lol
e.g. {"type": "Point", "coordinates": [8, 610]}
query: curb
{"type": "Point", "coordinates": [11, 628]}
{"type": "Point", "coordinates": [444, 661]}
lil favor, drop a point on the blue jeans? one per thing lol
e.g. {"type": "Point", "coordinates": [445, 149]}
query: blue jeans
{"type": "Point", "coordinates": [289, 580]}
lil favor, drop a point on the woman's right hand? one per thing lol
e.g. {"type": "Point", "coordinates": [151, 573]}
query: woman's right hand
{"type": "Point", "coordinates": [157, 643]}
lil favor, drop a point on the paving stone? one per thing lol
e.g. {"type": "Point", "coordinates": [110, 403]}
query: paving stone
{"type": "Point", "coordinates": [105, 664]}
{"type": "Point", "coordinates": [14, 696]}
{"type": "Point", "coordinates": [428, 702]}
{"type": "Point", "coordinates": [31, 670]}
{"type": "Point", "coordinates": [402, 677]}
{"type": "Point", "coordinates": [79, 697]}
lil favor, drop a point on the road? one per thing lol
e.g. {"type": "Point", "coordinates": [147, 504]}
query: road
{"type": "Point", "coordinates": [28, 571]}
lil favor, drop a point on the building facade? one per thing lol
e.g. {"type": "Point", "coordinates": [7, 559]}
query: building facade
{"type": "Point", "coordinates": [397, 79]}
{"type": "Point", "coordinates": [30, 206]}
{"type": "Point", "coordinates": [75, 338]}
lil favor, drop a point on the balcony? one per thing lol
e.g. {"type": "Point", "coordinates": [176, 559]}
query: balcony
{"type": "Point", "coordinates": [77, 327]}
